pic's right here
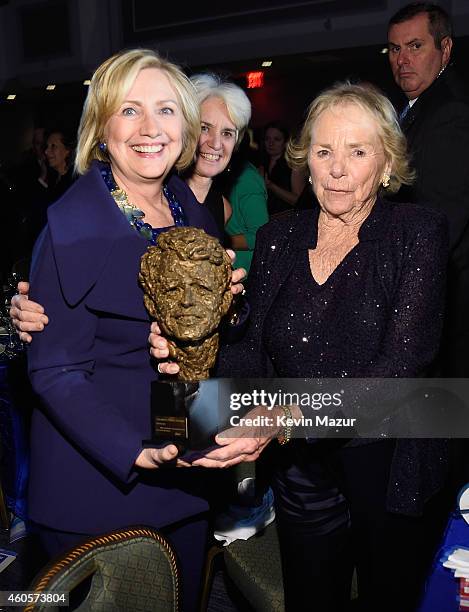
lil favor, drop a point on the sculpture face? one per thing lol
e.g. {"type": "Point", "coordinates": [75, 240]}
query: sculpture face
{"type": "Point", "coordinates": [186, 280]}
{"type": "Point", "coordinates": [190, 298]}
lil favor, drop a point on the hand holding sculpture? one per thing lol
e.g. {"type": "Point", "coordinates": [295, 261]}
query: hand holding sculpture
{"type": "Point", "coordinates": [186, 280]}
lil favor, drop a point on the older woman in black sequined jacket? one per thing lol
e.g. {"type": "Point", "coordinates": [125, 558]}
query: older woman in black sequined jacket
{"type": "Point", "coordinates": [353, 288]}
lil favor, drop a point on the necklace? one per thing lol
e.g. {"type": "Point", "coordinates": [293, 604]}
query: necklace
{"type": "Point", "coordinates": [135, 216]}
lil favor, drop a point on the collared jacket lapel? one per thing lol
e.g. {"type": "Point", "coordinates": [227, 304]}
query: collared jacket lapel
{"type": "Point", "coordinates": [87, 223]}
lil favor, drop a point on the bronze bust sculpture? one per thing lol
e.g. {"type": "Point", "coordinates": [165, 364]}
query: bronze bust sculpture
{"type": "Point", "coordinates": [186, 280]}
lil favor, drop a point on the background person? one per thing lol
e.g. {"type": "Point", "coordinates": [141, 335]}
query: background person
{"type": "Point", "coordinates": [38, 183]}
{"type": "Point", "coordinates": [284, 185]}
{"type": "Point", "coordinates": [59, 153]}
{"type": "Point", "coordinates": [225, 111]}
{"type": "Point", "coordinates": [222, 178]}
{"type": "Point", "coordinates": [435, 120]}
{"type": "Point", "coordinates": [247, 195]}
{"type": "Point", "coordinates": [32, 167]}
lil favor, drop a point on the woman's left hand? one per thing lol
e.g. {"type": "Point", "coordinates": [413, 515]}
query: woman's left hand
{"type": "Point", "coordinates": [243, 443]}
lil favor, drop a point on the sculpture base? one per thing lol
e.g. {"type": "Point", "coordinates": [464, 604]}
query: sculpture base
{"type": "Point", "coordinates": [184, 413]}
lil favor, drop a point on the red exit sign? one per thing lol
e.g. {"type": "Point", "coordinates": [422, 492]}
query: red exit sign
{"type": "Point", "coordinates": [255, 79]}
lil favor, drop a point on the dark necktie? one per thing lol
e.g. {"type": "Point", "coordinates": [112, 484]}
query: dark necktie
{"type": "Point", "coordinates": [403, 113]}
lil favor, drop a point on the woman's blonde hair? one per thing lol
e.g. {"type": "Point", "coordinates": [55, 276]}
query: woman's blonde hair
{"type": "Point", "coordinates": [371, 100]}
{"type": "Point", "coordinates": [109, 85]}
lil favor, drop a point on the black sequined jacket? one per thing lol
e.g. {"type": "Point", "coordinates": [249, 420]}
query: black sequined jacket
{"type": "Point", "coordinates": [399, 264]}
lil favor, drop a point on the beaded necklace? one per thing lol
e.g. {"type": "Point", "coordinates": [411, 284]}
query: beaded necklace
{"type": "Point", "coordinates": [135, 216]}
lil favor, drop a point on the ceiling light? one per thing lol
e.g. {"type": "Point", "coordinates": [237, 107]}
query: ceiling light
{"type": "Point", "coordinates": [87, 82]}
{"type": "Point", "coordinates": [267, 64]}
{"type": "Point", "coordinates": [384, 50]}
{"type": "Point", "coordinates": [11, 96]}
{"type": "Point", "coordinates": [50, 87]}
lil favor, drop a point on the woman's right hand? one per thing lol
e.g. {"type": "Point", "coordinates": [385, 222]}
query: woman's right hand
{"type": "Point", "coordinates": [26, 315]}
{"type": "Point", "coordinates": [152, 458]}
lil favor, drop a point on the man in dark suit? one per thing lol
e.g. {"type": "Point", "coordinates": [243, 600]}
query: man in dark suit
{"type": "Point", "coordinates": [436, 123]}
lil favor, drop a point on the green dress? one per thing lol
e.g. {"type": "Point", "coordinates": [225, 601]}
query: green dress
{"type": "Point", "coordinates": [248, 198]}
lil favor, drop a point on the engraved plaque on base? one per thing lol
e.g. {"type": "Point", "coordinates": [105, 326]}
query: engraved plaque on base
{"type": "Point", "coordinates": [184, 413]}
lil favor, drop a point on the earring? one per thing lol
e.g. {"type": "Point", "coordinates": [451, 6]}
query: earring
{"type": "Point", "coordinates": [102, 147]}
{"type": "Point", "coordinates": [310, 180]}
{"type": "Point", "coordinates": [385, 180]}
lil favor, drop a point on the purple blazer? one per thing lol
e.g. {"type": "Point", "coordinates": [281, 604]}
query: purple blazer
{"type": "Point", "coordinates": [91, 368]}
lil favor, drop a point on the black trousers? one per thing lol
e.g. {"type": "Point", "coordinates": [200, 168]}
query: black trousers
{"type": "Point", "coordinates": [392, 552]}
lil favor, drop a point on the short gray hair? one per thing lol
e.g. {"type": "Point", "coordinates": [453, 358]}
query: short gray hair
{"type": "Point", "coordinates": [371, 100]}
{"type": "Point", "coordinates": [209, 85]}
